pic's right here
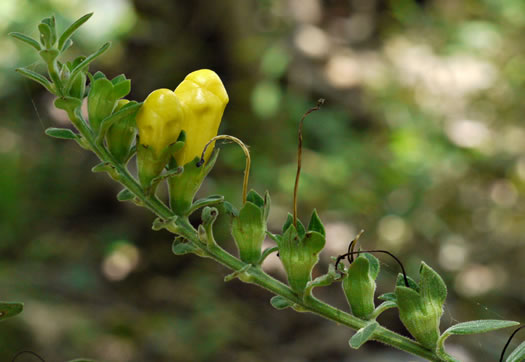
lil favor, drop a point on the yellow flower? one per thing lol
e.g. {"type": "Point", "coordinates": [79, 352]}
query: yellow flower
{"type": "Point", "coordinates": [159, 120]}
{"type": "Point", "coordinates": [203, 99]}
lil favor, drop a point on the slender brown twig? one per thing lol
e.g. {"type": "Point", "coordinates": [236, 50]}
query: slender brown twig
{"type": "Point", "coordinates": [320, 102]}
{"type": "Point", "coordinates": [246, 153]}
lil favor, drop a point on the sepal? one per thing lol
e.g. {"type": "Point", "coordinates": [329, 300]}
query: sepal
{"type": "Point", "coordinates": [359, 285]}
{"type": "Point", "coordinates": [249, 228]}
{"type": "Point", "coordinates": [184, 186]}
{"type": "Point", "coordinates": [299, 252]}
{"type": "Point", "coordinates": [421, 310]}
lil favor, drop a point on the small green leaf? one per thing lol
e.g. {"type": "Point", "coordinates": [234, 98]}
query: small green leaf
{"type": "Point", "coordinates": [255, 198]}
{"type": "Point", "coordinates": [301, 230]}
{"type": "Point", "coordinates": [432, 285]}
{"type": "Point", "coordinates": [267, 204]}
{"type": "Point", "coordinates": [279, 302]}
{"type": "Point", "coordinates": [229, 208]}
{"type": "Point", "coordinates": [476, 327]}
{"type": "Point", "coordinates": [71, 29]}
{"type": "Point", "coordinates": [102, 167]}
{"type": "Point", "coordinates": [316, 224]}
{"type": "Point", "coordinates": [208, 201]}
{"type": "Point", "coordinates": [374, 265]}
{"type": "Point", "coordinates": [40, 79]}
{"type": "Point", "coordinates": [66, 45]}
{"type": "Point", "coordinates": [122, 89]}
{"type": "Point", "coordinates": [400, 281]}
{"type": "Point", "coordinates": [26, 39]}
{"type": "Point", "coordinates": [363, 335]}
{"type": "Point", "coordinates": [62, 133]}
{"type": "Point", "coordinates": [127, 111]}
{"type": "Point", "coordinates": [10, 309]}
{"type": "Point", "coordinates": [119, 78]}
{"type": "Point", "coordinates": [388, 297]}
{"type": "Point", "coordinates": [125, 195]}
{"type": "Point", "coordinates": [179, 248]}
{"type": "Point", "coordinates": [518, 354]}
{"type": "Point", "coordinates": [288, 222]}
{"type": "Point", "coordinates": [89, 59]}
{"type": "Point", "coordinates": [46, 36]}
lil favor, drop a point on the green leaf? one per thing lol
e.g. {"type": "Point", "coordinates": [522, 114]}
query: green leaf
{"type": "Point", "coordinates": [26, 39]}
{"type": "Point", "coordinates": [518, 354]}
{"type": "Point", "coordinates": [229, 208]}
{"type": "Point", "coordinates": [122, 89]}
{"type": "Point", "coordinates": [179, 248]}
{"type": "Point", "coordinates": [125, 195]}
{"type": "Point", "coordinates": [89, 59]}
{"type": "Point", "coordinates": [71, 29]}
{"type": "Point", "coordinates": [432, 285]}
{"type": "Point", "coordinates": [288, 222]}
{"type": "Point", "coordinates": [374, 265]}
{"type": "Point", "coordinates": [10, 309]}
{"type": "Point", "coordinates": [267, 204]}
{"type": "Point", "coordinates": [400, 281]}
{"type": "Point", "coordinates": [363, 335]}
{"type": "Point", "coordinates": [279, 302]}
{"type": "Point", "coordinates": [129, 110]}
{"type": "Point", "coordinates": [391, 297]}
{"type": "Point", "coordinates": [316, 224]}
{"type": "Point", "coordinates": [208, 201]}
{"type": "Point", "coordinates": [102, 167]}
{"type": "Point", "coordinates": [40, 79]}
{"type": "Point", "coordinates": [66, 45]}
{"type": "Point", "coordinates": [69, 104]}
{"type": "Point", "coordinates": [255, 198]}
{"type": "Point", "coordinates": [46, 36]}
{"type": "Point", "coordinates": [62, 133]}
{"type": "Point", "coordinates": [300, 229]}
{"type": "Point", "coordinates": [476, 327]}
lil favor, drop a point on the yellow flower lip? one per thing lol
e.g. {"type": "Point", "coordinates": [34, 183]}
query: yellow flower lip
{"type": "Point", "coordinates": [203, 97]}
{"type": "Point", "coordinates": [159, 120]}
{"type": "Point", "coordinates": [209, 80]}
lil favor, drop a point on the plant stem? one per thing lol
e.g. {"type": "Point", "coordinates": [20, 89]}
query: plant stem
{"type": "Point", "coordinates": [254, 275]}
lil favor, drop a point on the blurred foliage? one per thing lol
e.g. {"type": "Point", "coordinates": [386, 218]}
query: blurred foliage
{"type": "Point", "coordinates": [421, 143]}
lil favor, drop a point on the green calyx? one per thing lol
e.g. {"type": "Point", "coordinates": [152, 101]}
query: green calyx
{"type": "Point", "coordinates": [249, 227]}
{"type": "Point", "coordinates": [299, 250]}
{"type": "Point", "coordinates": [184, 186]}
{"type": "Point", "coordinates": [359, 285]}
{"type": "Point", "coordinates": [420, 309]}
{"type": "Point", "coordinates": [103, 97]}
{"type": "Point", "coordinates": [150, 163]}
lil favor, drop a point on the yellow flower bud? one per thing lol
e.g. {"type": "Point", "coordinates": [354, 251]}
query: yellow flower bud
{"type": "Point", "coordinates": [159, 120]}
{"type": "Point", "coordinates": [203, 99]}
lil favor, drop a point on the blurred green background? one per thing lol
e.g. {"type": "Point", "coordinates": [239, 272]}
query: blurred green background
{"type": "Point", "coordinates": [421, 143]}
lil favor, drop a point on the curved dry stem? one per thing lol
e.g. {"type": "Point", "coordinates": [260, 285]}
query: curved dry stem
{"type": "Point", "coordinates": [246, 154]}
{"type": "Point", "coordinates": [320, 102]}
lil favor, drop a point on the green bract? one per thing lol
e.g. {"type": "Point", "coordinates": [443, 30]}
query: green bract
{"type": "Point", "coordinates": [249, 227]}
{"type": "Point", "coordinates": [359, 285]}
{"type": "Point", "coordinates": [299, 250]}
{"type": "Point", "coordinates": [184, 186]}
{"type": "Point", "coordinates": [421, 310]}
{"type": "Point", "coordinates": [122, 132]}
{"type": "Point", "coordinates": [103, 97]}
